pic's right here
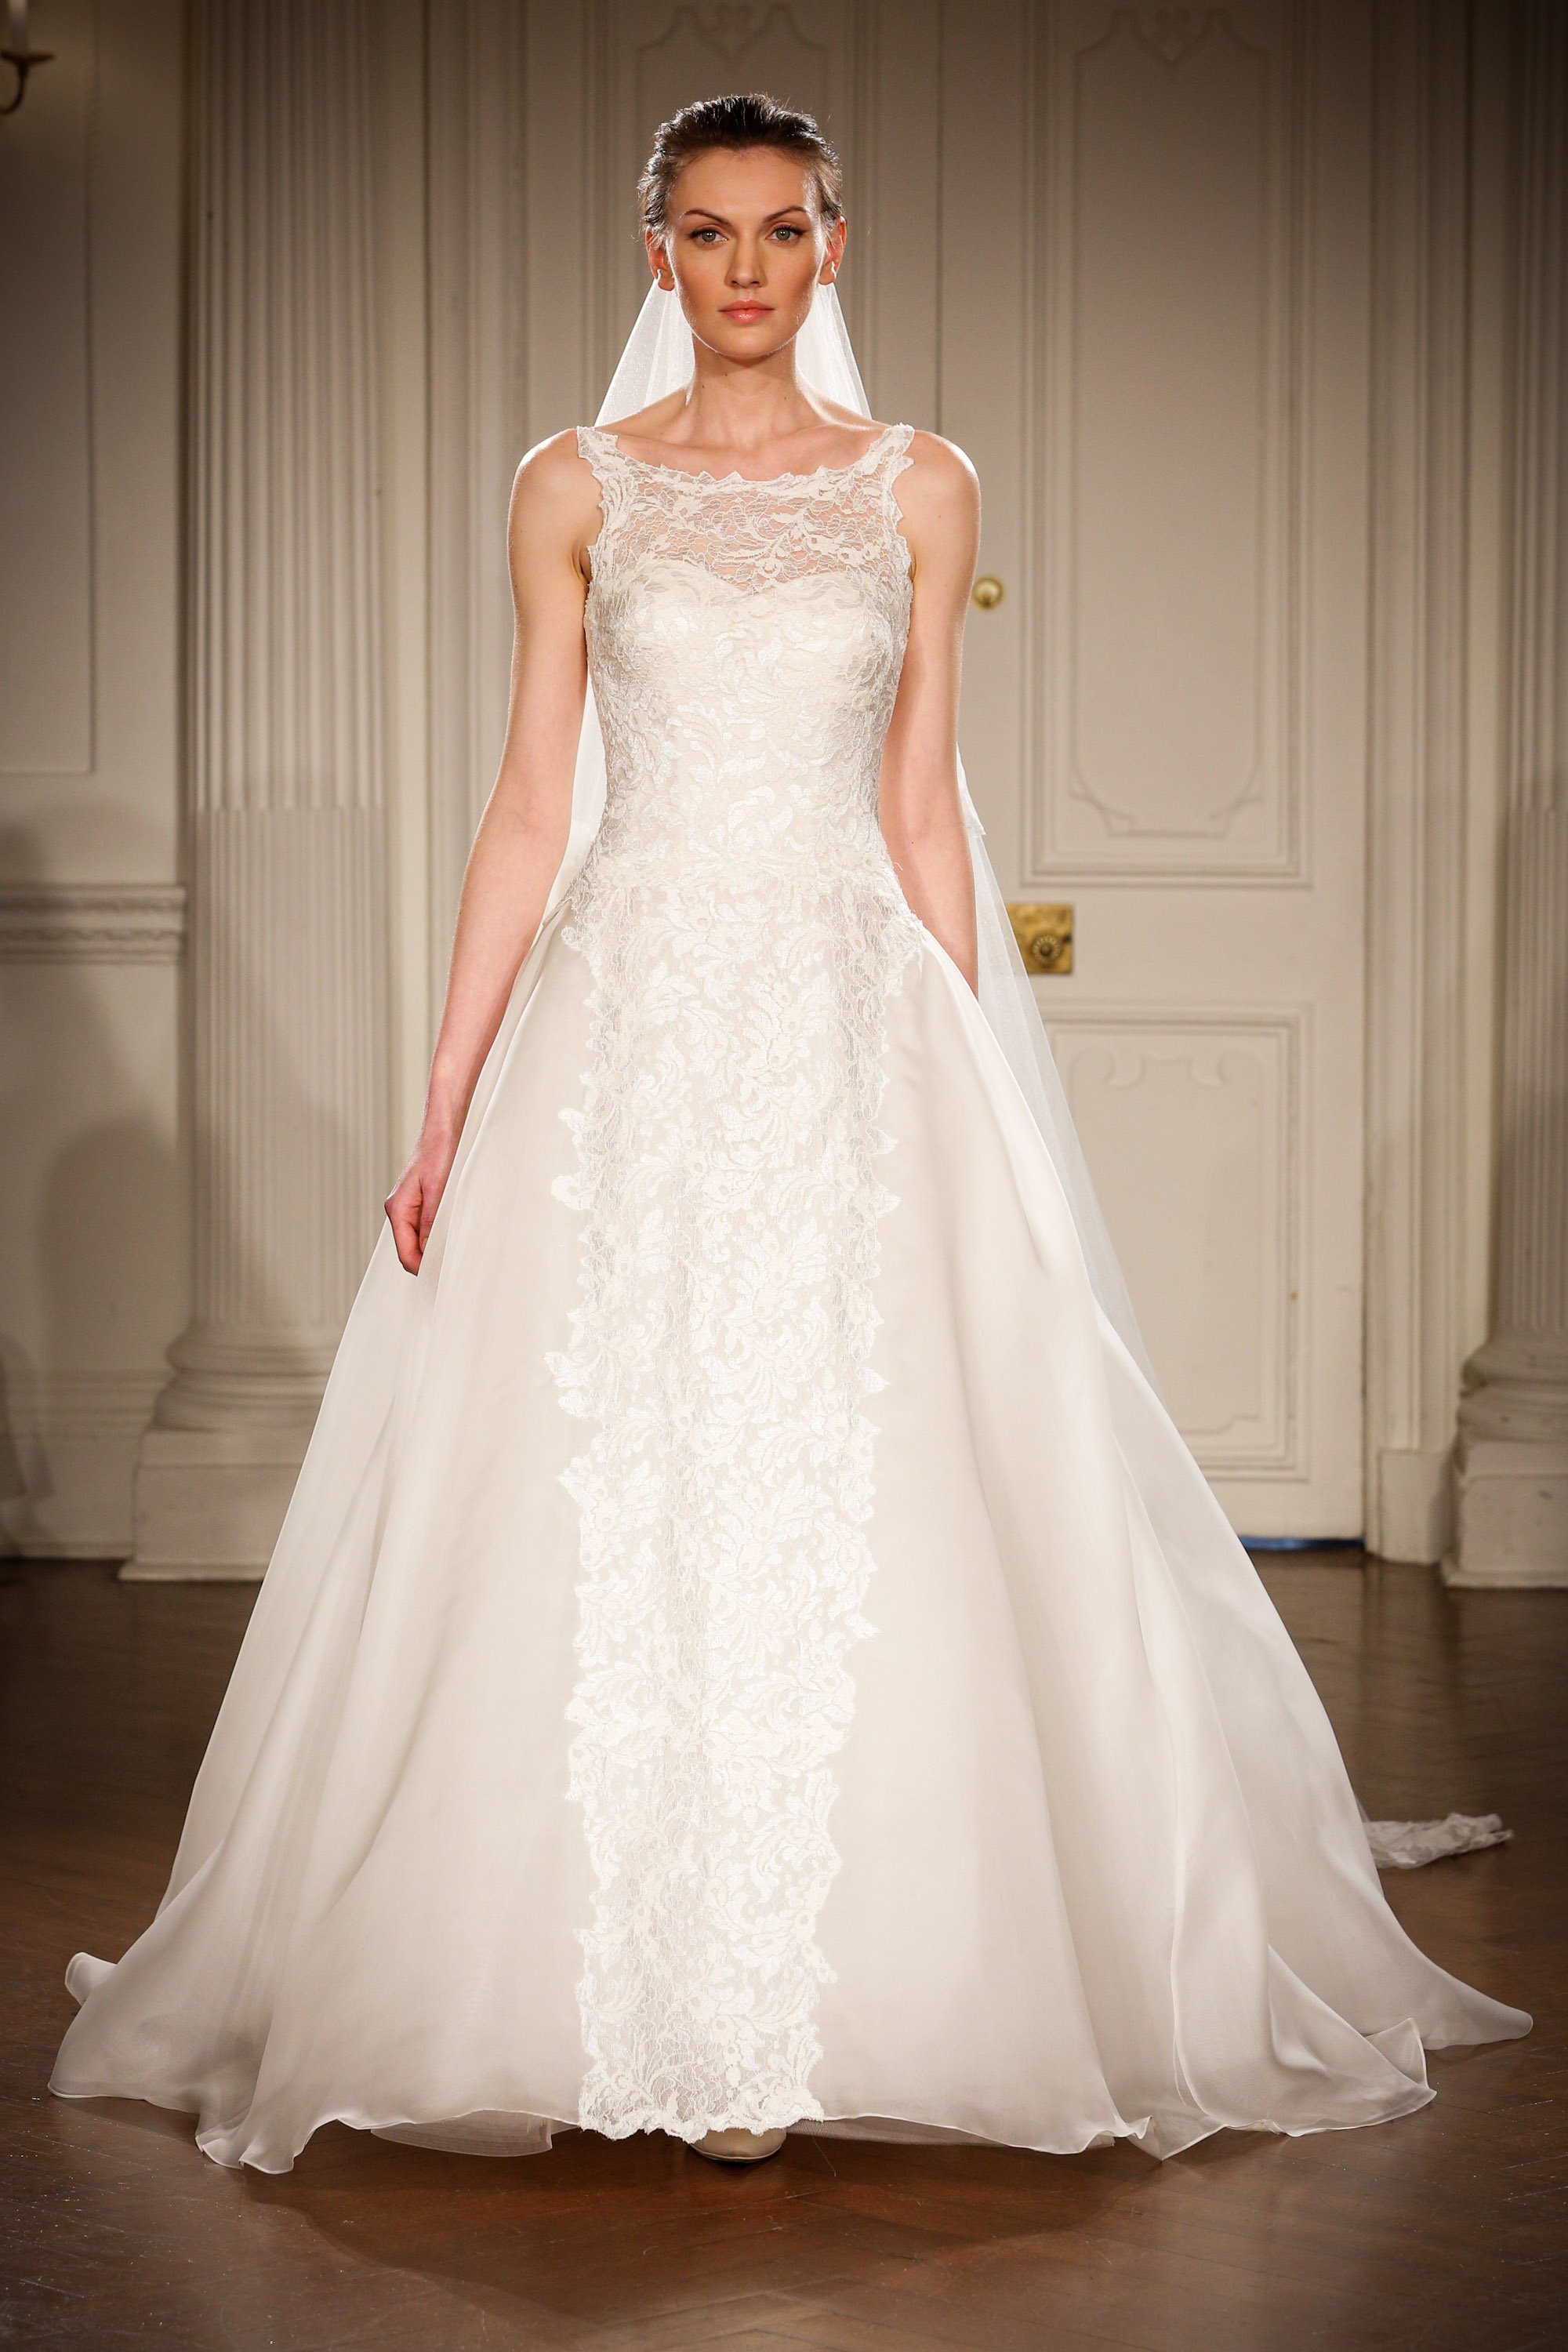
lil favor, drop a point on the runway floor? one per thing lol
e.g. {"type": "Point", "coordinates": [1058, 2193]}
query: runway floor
{"type": "Point", "coordinates": [1446, 2229]}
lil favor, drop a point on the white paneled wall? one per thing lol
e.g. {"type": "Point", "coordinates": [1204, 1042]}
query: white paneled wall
{"type": "Point", "coordinates": [1217, 298]}
{"type": "Point", "coordinates": [1170, 190]}
{"type": "Point", "coordinates": [93, 1245]}
{"type": "Point", "coordinates": [1167, 713]}
{"type": "Point", "coordinates": [1196, 1128]}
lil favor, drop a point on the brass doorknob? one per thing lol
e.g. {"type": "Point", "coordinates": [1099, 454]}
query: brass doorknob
{"type": "Point", "coordinates": [1044, 935]}
{"type": "Point", "coordinates": [988, 593]}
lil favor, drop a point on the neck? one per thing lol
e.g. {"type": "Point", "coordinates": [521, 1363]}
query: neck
{"type": "Point", "coordinates": [746, 404]}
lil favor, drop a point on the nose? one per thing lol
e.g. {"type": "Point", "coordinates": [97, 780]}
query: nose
{"type": "Point", "coordinates": [745, 267]}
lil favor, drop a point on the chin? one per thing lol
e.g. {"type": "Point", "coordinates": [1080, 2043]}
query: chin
{"type": "Point", "coordinates": [757, 342]}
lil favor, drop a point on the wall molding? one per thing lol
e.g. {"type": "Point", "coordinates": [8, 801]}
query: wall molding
{"type": "Point", "coordinates": [1052, 774]}
{"type": "Point", "coordinates": [91, 922]}
{"type": "Point", "coordinates": [1288, 1027]}
{"type": "Point", "coordinates": [51, 649]}
{"type": "Point", "coordinates": [36, 1404]}
{"type": "Point", "coordinates": [68, 1443]}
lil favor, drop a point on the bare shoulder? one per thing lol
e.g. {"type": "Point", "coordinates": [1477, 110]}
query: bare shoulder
{"type": "Point", "coordinates": [940, 474]}
{"type": "Point", "coordinates": [555, 498]}
{"type": "Point", "coordinates": [553, 476]}
{"type": "Point", "coordinates": [939, 499]}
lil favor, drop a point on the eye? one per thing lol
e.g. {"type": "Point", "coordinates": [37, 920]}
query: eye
{"type": "Point", "coordinates": [788, 229]}
{"type": "Point", "coordinates": [698, 235]}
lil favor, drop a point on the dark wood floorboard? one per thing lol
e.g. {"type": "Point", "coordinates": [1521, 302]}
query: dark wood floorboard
{"type": "Point", "coordinates": [1442, 2232]}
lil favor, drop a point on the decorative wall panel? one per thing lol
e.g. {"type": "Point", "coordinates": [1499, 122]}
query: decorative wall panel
{"type": "Point", "coordinates": [46, 418]}
{"type": "Point", "coordinates": [91, 922]}
{"type": "Point", "coordinates": [93, 1273]}
{"type": "Point", "coordinates": [1167, 414]}
{"type": "Point", "coordinates": [1193, 1130]}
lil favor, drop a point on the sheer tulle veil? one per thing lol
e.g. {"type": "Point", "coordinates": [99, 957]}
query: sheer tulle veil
{"type": "Point", "coordinates": [658, 360]}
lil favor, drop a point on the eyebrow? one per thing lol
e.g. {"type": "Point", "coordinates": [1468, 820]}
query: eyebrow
{"type": "Point", "coordinates": [700, 212]}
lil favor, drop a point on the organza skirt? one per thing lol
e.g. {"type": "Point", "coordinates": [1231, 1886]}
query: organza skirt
{"type": "Point", "coordinates": [1081, 1860]}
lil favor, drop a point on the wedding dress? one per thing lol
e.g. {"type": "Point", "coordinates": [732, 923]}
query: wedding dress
{"type": "Point", "coordinates": [749, 1646]}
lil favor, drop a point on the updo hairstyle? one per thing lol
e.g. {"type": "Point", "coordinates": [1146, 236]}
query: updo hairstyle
{"type": "Point", "coordinates": [754, 119]}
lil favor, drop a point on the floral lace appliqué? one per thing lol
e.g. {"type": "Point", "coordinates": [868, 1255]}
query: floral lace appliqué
{"type": "Point", "coordinates": [743, 929]}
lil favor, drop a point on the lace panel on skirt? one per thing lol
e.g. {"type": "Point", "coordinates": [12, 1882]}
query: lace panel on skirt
{"type": "Point", "coordinates": [743, 931]}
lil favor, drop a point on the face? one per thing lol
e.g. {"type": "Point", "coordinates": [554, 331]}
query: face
{"type": "Point", "coordinates": [745, 246]}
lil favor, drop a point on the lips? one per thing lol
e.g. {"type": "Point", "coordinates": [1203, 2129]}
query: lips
{"type": "Point", "coordinates": [747, 311]}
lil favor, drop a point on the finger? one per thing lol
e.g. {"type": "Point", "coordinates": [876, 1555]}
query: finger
{"type": "Point", "coordinates": [429, 1202]}
{"type": "Point", "coordinates": [404, 1233]}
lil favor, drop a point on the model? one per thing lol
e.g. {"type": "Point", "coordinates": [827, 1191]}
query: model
{"type": "Point", "coordinates": [749, 1647]}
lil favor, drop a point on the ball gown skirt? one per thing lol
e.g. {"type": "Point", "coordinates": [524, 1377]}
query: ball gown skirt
{"type": "Point", "coordinates": [748, 1646]}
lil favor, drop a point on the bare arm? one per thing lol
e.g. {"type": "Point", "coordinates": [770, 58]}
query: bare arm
{"type": "Point", "coordinates": [523, 834]}
{"type": "Point", "coordinates": [922, 822]}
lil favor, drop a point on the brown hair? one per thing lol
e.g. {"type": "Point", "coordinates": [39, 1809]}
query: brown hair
{"type": "Point", "coordinates": [753, 119]}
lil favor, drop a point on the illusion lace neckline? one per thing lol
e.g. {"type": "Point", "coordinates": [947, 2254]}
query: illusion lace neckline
{"type": "Point", "coordinates": [757, 481]}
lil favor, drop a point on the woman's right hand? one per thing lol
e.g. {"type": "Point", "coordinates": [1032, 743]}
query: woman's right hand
{"type": "Point", "coordinates": [527, 820]}
{"type": "Point", "coordinates": [411, 1203]}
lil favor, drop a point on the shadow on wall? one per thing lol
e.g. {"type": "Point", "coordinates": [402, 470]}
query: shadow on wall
{"type": "Point", "coordinates": [95, 1262]}
{"type": "Point", "coordinates": [93, 1257]}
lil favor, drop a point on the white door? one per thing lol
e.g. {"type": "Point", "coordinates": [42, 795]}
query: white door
{"type": "Point", "coordinates": [1154, 343]}
{"type": "Point", "coordinates": [1121, 255]}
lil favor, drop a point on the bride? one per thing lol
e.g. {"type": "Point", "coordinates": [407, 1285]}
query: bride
{"type": "Point", "coordinates": [748, 1647]}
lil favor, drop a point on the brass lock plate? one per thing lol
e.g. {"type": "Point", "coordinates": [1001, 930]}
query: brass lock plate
{"type": "Point", "coordinates": [1045, 937]}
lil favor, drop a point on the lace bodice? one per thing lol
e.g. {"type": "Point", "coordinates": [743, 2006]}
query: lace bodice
{"type": "Point", "coordinates": [744, 928]}
{"type": "Point", "coordinates": [754, 535]}
{"type": "Point", "coordinates": [745, 640]}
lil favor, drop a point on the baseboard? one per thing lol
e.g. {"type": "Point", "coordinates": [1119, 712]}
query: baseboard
{"type": "Point", "coordinates": [69, 1446]}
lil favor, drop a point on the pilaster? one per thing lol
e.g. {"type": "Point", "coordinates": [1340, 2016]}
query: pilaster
{"type": "Point", "coordinates": [1513, 1449]}
{"type": "Point", "coordinates": [1416, 1100]}
{"type": "Point", "coordinates": [284, 817]}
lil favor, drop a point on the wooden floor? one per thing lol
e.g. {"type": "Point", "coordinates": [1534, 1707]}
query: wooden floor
{"type": "Point", "coordinates": [1443, 2230]}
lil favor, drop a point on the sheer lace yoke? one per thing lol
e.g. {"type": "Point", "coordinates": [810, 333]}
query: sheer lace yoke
{"type": "Point", "coordinates": [753, 534]}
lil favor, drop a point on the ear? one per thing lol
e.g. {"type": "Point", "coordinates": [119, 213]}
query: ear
{"type": "Point", "coordinates": [833, 252]}
{"type": "Point", "coordinates": [659, 258]}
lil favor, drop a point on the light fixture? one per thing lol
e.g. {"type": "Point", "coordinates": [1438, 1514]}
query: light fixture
{"type": "Point", "coordinates": [16, 53]}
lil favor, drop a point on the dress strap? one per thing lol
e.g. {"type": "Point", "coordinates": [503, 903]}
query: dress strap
{"type": "Point", "coordinates": [617, 477]}
{"type": "Point", "coordinates": [603, 452]}
{"type": "Point", "coordinates": [601, 449]}
{"type": "Point", "coordinates": [890, 452]}
{"type": "Point", "coordinates": [884, 461]}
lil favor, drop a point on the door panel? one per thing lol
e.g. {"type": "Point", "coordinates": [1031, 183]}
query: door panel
{"type": "Point", "coordinates": [1121, 255]}
{"type": "Point", "coordinates": [1154, 317]}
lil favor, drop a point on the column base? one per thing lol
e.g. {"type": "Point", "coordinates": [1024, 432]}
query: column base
{"type": "Point", "coordinates": [1512, 1514]}
{"type": "Point", "coordinates": [209, 1502]}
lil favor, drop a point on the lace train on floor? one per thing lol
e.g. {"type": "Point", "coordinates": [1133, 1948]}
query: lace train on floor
{"type": "Point", "coordinates": [1407, 1846]}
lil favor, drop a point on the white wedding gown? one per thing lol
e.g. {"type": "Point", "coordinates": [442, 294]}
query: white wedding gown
{"type": "Point", "coordinates": [748, 1646]}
